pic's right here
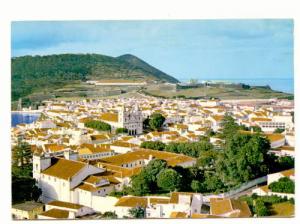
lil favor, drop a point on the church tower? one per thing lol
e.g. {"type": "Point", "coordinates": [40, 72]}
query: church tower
{"type": "Point", "coordinates": [121, 113]}
{"type": "Point", "coordinates": [39, 164]}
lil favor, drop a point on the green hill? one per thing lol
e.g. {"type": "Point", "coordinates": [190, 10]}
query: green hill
{"type": "Point", "coordinates": [40, 73]}
{"type": "Point", "coordinates": [146, 67]}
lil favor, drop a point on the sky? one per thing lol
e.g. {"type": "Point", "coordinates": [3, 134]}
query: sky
{"type": "Point", "coordinates": [185, 49]}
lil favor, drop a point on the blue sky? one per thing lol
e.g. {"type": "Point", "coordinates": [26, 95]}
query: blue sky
{"type": "Point", "coordinates": [202, 49]}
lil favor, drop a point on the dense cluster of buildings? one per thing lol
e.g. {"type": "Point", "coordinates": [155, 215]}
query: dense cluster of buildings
{"type": "Point", "coordinates": [78, 167]}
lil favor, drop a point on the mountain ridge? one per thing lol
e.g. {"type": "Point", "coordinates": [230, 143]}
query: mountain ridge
{"type": "Point", "coordinates": [35, 73]}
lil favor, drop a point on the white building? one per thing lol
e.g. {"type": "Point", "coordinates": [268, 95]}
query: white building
{"type": "Point", "coordinates": [64, 210]}
{"type": "Point", "coordinates": [274, 177]}
{"type": "Point", "coordinates": [161, 207]}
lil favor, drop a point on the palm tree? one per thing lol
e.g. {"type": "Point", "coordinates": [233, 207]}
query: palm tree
{"type": "Point", "coordinates": [21, 154]}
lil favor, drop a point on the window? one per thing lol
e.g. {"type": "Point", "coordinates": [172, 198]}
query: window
{"type": "Point", "coordinates": [36, 166]}
{"type": "Point", "coordinates": [54, 179]}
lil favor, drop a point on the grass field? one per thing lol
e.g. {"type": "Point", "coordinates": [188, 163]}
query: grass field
{"type": "Point", "coordinates": [284, 209]}
{"type": "Point", "coordinates": [221, 93]}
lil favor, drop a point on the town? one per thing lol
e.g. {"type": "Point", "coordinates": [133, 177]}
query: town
{"type": "Point", "coordinates": [149, 157]}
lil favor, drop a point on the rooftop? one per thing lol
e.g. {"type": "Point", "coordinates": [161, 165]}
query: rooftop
{"type": "Point", "coordinates": [65, 204]}
{"type": "Point", "coordinates": [288, 173]}
{"type": "Point", "coordinates": [132, 201]}
{"type": "Point", "coordinates": [27, 206]}
{"type": "Point", "coordinates": [178, 215]}
{"type": "Point", "coordinates": [63, 168]}
{"type": "Point", "coordinates": [144, 154]}
{"type": "Point", "coordinates": [112, 117]}
{"type": "Point", "coordinates": [234, 208]}
{"type": "Point", "coordinates": [56, 213]}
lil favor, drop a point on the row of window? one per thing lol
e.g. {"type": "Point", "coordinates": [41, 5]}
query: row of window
{"type": "Point", "coordinates": [273, 126]}
{"type": "Point", "coordinates": [96, 155]}
{"type": "Point", "coordinates": [132, 165]}
{"type": "Point", "coordinates": [54, 179]}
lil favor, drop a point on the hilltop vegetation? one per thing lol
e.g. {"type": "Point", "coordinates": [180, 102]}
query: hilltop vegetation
{"type": "Point", "coordinates": [44, 73]}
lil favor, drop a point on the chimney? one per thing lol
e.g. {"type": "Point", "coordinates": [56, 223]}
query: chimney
{"type": "Point", "coordinates": [70, 155]}
{"type": "Point", "coordinates": [150, 157]}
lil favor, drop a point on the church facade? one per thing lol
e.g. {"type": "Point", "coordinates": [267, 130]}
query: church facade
{"type": "Point", "coordinates": [129, 118]}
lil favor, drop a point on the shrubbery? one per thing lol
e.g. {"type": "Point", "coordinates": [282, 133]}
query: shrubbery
{"type": "Point", "coordinates": [283, 185]}
{"type": "Point", "coordinates": [121, 130]}
{"type": "Point", "coordinates": [192, 149]}
{"type": "Point", "coordinates": [156, 145]}
{"type": "Point", "coordinates": [98, 125]}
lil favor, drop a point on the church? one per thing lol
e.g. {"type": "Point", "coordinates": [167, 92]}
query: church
{"type": "Point", "coordinates": [129, 118]}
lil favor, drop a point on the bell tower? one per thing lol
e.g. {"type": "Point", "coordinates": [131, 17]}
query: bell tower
{"type": "Point", "coordinates": [121, 113]}
{"type": "Point", "coordinates": [39, 164]}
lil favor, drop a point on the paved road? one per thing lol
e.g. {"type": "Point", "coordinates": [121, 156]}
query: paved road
{"type": "Point", "coordinates": [245, 192]}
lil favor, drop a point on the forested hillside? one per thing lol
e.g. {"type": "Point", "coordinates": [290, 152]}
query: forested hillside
{"type": "Point", "coordinates": [36, 73]}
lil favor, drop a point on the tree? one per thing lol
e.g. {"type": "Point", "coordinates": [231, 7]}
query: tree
{"type": "Point", "coordinates": [212, 182]}
{"type": "Point", "coordinates": [22, 171]}
{"type": "Point", "coordinates": [260, 208]}
{"type": "Point", "coordinates": [137, 212]}
{"type": "Point", "coordinates": [279, 163]}
{"type": "Point", "coordinates": [146, 181]}
{"type": "Point", "coordinates": [21, 154]}
{"type": "Point", "coordinates": [283, 185]}
{"type": "Point", "coordinates": [146, 123]}
{"type": "Point", "coordinates": [193, 149]}
{"type": "Point", "coordinates": [154, 167]}
{"type": "Point", "coordinates": [141, 184]}
{"type": "Point", "coordinates": [98, 125]}
{"type": "Point", "coordinates": [286, 162]}
{"type": "Point", "coordinates": [278, 130]}
{"type": "Point", "coordinates": [207, 159]}
{"type": "Point", "coordinates": [156, 145]}
{"type": "Point", "coordinates": [244, 158]}
{"type": "Point", "coordinates": [197, 186]}
{"type": "Point", "coordinates": [229, 127]}
{"type": "Point", "coordinates": [109, 215]}
{"type": "Point", "coordinates": [188, 175]}
{"type": "Point", "coordinates": [24, 189]}
{"type": "Point", "coordinates": [169, 179]}
{"type": "Point", "coordinates": [255, 128]}
{"type": "Point", "coordinates": [121, 130]}
{"type": "Point", "coordinates": [156, 121]}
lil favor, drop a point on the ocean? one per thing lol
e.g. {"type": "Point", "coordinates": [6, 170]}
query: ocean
{"type": "Point", "coordinates": [283, 85]}
{"type": "Point", "coordinates": [23, 117]}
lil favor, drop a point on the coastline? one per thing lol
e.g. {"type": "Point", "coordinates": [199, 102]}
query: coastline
{"type": "Point", "coordinates": [26, 112]}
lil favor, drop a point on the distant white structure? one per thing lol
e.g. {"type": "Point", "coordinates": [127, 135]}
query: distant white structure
{"type": "Point", "coordinates": [116, 83]}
